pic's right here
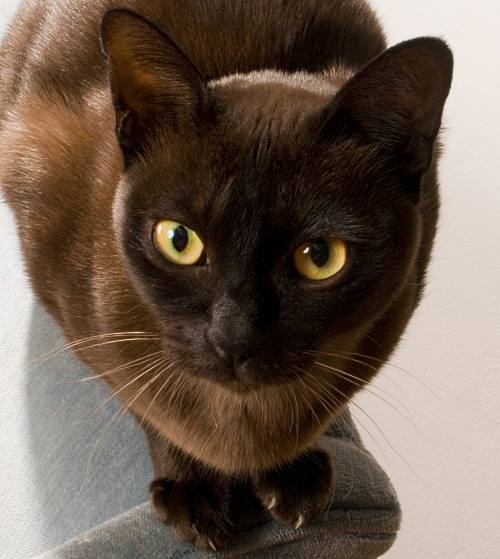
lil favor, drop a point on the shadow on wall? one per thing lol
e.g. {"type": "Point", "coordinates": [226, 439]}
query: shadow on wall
{"type": "Point", "coordinates": [87, 470]}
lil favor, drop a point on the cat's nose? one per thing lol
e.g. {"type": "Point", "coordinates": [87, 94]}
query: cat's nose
{"type": "Point", "coordinates": [233, 352]}
{"type": "Point", "coordinates": [231, 333]}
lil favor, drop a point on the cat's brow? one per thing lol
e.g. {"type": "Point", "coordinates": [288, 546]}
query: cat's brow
{"type": "Point", "coordinates": [348, 229]}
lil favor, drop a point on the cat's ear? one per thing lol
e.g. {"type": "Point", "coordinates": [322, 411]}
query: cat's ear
{"type": "Point", "coordinates": [152, 80]}
{"type": "Point", "coordinates": [397, 102]}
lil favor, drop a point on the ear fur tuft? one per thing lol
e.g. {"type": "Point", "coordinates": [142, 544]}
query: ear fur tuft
{"type": "Point", "coordinates": [151, 79]}
{"type": "Point", "coordinates": [397, 102]}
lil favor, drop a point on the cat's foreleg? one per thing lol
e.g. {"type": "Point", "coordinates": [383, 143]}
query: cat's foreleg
{"type": "Point", "coordinates": [298, 492]}
{"type": "Point", "coordinates": [193, 499]}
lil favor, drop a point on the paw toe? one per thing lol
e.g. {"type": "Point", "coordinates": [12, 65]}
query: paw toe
{"type": "Point", "coordinates": [198, 513]}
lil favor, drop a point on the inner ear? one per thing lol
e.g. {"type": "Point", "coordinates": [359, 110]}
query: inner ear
{"type": "Point", "coordinates": [397, 102]}
{"type": "Point", "coordinates": [152, 80]}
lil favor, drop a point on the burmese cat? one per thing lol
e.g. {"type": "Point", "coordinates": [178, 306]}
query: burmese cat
{"type": "Point", "coordinates": [232, 204]}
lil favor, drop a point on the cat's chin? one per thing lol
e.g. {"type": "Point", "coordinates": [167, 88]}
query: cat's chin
{"type": "Point", "coordinates": [244, 387]}
{"type": "Point", "coordinates": [239, 387]}
{"type": "Point", "coordinates": [243, 382]}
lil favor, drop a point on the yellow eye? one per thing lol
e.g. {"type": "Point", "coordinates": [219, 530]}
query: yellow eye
{"type": "Point", "coordinates": [178, 243]}
{"type": "Point", "coordinates": [321, 259]}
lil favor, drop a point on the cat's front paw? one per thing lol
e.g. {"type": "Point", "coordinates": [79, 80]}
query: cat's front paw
{"type": "Point", "coordinates": [198, 511]}
{"type": "Point", "coordinates": [299, 492]}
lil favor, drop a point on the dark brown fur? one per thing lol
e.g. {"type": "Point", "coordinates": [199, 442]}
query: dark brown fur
{"type": "Point", "coordinates": [244, 159]}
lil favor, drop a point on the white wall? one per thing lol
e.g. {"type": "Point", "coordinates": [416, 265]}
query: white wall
{"type": "Point", "coordinates": [451, 501]}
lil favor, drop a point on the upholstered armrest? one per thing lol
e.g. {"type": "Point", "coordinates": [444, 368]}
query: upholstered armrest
{"type": "Point", "coordinates": [361, 524]}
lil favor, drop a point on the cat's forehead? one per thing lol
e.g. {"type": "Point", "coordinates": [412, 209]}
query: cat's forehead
{"type": "Point", "coordinates": [272, 103]}
{"type": "Point", "coordinates": [254, 197]}
{"type": "Point", "coordinates": [262, 168]}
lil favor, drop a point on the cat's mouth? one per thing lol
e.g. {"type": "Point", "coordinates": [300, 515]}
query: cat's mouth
{"type": "Point", "coordinates": [247, 378]}
{"type": "Point", "coordinates": [264, 369]}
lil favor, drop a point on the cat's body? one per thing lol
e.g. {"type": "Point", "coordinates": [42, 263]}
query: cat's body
{"type": "Point", "coordinates": [235, 156]}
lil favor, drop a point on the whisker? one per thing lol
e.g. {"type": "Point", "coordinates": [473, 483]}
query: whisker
{"type": "Point", "coordinates": [365, 385]}
{"type": "Point", "coordinates": [384, 436]}
{"type": "Point", "coordinates": [322, 398]}
{"type": "Point", "coordinates": [177, 386]}
{"type": "Point", "coordinates": [396, 367]}
{"type": "Point", "coordinates": [309, 405]}
{"type": "Point", "coordinates": [376, 369]}
{"type": "Point", "coordinates": [157, 362]}
{"type": "Point", "coordinates": [289, 405]}
{"type": "Point", "coordinates": [216, 407]}
{"type": "Point", "coordinates": [129, 336]}
{"type": "Point", "coordinates": [179, 398]}
{"type": "Point", "coordinates": [144, 418]}
{"type": "Point", "coordinates": [112, 424]}
{"type": "Point", "coordinates": [297, 417]}
{"type": "Point", "coordinates": [339, 405]}
{"type": "Point", "coordinates": [145, 387]}
{"type": "Point", "coordinates": [111, 342]}
{"type": "Point", "coordinates": [327, 405]}
{"type": "Point", "coordinates": [324, 401]}
{"type": "Point", "coordinates": [138, 361]}
{"type": "Point", "coordinates": [381, 362]}
{"type": "Point", "coordinates": [94, 453]}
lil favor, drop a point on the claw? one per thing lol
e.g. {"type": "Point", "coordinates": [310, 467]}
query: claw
{"type": "Point", "coordinates": [300, 522]}
{"type": "Point", "coordinates": [271, 504]}
{"type": "Point", "coordinates": [211, 544]}
{"type": "Point", "coordinates": [195, 530]}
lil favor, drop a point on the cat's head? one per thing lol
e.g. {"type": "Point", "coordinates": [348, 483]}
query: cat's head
{"type": "Point", "coordinates": [264, 217]}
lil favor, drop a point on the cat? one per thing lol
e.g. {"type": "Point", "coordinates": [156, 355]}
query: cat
{"type": "Point", "coordinates": [229, 208]}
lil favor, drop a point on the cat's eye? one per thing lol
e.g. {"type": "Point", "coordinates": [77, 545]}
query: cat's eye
{"type": "Point", "coordinates": [178, 243]}
{"type": "Point", "coordinates": [321, 259]}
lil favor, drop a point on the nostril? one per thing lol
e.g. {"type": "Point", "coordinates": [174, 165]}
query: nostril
{"type": "Point", "coordinates": [233, 356]}
{"type": "Point", "coordinates": [224, 354]}
{"type": "Point", "coordinates": [219, 348]}
{"type": "Point", "coordinates": [243, 356]}
{"type": "Point", "coordinates": [232, 352]}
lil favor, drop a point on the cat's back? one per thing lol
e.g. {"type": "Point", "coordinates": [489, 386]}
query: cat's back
{"type": "Point", "coordinates": [53, 45]}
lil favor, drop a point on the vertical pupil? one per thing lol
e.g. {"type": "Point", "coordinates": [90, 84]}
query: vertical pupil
{"type": "Point", "coordinates": [319, 252]}
{"type": "Point", "coordinates": [180, 239]}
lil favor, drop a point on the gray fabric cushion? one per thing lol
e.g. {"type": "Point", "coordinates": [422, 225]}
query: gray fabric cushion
{"type": "Point", "coordinates": [361, 524]}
